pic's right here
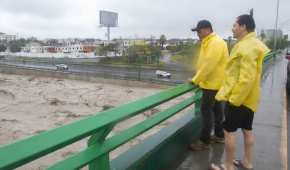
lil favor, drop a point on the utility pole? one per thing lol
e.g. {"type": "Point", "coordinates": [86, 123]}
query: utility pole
{"type": "Point", "coordinates": [276, 26]}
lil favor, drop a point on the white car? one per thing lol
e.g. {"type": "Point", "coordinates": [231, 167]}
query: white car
{"type": "Point", "coordinates": [61, 67]}
{"type": "Point", "coordinates": [163, 74]}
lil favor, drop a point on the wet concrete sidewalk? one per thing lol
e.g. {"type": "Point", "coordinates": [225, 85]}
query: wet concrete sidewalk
{"type": "Point", "coordinates": [269, 128]}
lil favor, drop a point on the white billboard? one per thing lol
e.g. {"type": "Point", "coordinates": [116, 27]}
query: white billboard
{"type": "Point", "coordinates": [108, 19]}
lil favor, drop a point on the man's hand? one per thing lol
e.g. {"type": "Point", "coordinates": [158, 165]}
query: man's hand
{"type": "Point", "coordinates": [190, 80]}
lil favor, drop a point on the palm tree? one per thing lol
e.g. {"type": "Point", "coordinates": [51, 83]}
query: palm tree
{"type": "Point", "coordinates": [162, 40]}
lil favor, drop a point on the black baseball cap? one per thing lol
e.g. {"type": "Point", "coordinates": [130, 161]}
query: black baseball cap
{"type": "Point", "coordinates": [202, 24]}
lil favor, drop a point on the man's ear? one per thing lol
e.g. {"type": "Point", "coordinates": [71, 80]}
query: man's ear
{"type": "Point", "coordinates": [244, 27]}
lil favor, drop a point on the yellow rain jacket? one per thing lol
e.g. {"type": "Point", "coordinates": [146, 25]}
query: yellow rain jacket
{"type": "Point", "coordinates": [211, 63]}
{"type": "Point", "coordinates": [243, 73]}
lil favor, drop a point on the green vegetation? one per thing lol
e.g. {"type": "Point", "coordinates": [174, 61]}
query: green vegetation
{"type": "Point", "coordinates": [3, 47]}
{"type": "Point", "coordinates": [24, 59]}
{"type": "Point", "coordinates": [186, 54]}
{"type": "Point", "coordinates": [16, 45]}
{"type": "Point", "coordinates": [162, 41]}
{"type": "Point", "coordinates": [282, 43]}
{"type": "Point", "coordinates": [103, 49]}
{"type": "Point", "coordinates": [139, 54]}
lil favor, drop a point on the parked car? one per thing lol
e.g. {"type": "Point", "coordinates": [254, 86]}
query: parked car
{"type": "Point", "coordinates": [162, 74]}
{"type": "Point", "coordinates": [287, 54]}
{"type": "Point", "coordinates": [61, 67]}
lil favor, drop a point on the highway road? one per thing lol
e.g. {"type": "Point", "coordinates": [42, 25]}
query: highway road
{"type": "Point", "coordinates": [137, 73]}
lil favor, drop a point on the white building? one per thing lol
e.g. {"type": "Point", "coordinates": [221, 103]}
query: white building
{"type": "Point", "coordinates": [33, 48]}
{"type": "Point", "coordinates": [6, 37]}
{"type": "Point", "coordinates": [74, 48]}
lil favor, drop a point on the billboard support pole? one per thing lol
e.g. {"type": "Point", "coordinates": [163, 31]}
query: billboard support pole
{"type": "Point", "coordinates": [108, 33]}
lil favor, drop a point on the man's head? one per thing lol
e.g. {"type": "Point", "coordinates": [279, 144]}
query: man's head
{"type": "Point", "coordinates": [203, 29]}
{"type": "Point", "coordinates": [243, 25]}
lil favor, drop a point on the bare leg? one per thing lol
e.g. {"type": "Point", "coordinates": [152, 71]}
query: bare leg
{"type": "Point", "coordinates": [249, 143]}
{"type": "Point", "coordinates": [230, 149]}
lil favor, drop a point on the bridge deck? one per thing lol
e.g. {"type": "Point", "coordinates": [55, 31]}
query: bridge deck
{"type": "Point", "coordinates": [269, 128]}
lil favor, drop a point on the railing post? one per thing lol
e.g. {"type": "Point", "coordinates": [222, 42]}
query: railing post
{"type": "Point", "coordinates": [197, 105]}
{"type": "Point", "coordinates": [103, 162]}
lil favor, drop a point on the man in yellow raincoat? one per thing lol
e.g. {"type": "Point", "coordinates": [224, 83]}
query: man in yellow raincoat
{"type": "Point", "coordinates": [241, 91]}
{"type": "Point", "coordinates": [210, 72]}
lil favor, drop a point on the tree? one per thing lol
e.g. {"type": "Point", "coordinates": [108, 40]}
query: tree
{"type": "Point", "coordinates": [263, 35]}
{"type": "Point", "coordinates": [143, 54]}
{"type": "Point", "coordinates": [2, 47]}
{"type": "Point", "coordinates": [137, 53]}
{"type": "Point", "coordinates": [104, 49]}
{"type": "Point", "coordinates": [162, 41]}
{"type": "Point", "coordinates": [15, 46]}
{"type": "Point", "coordinates": [281, 43]}
{"type": "Point", "coordinates": [155, 54]}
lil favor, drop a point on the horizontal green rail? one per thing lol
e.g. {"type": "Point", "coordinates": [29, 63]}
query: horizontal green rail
{"type": "Point", "coordinates": [24, 151]}
{"type": "Point", "coordinates": [98, 127]}
{"type": "Point", "coordinates": [83, 158]}
{"type": "Point", "coordinates": [270, 56]}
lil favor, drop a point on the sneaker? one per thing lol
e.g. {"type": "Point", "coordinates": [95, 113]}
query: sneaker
{"type": "Point", "coordinates": [198, 146]}
{"type": "Point", "coordinates": [215, 139]}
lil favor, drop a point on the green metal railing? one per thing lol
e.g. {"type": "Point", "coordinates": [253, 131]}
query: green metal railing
{"type": "Point", "coordinates": [97, 127]}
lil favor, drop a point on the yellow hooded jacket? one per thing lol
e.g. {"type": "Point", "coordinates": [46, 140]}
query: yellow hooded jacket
{"type": "Point", "coordinates": [211, 63]}
{"type": "Point", "coordinates": [243, 73]}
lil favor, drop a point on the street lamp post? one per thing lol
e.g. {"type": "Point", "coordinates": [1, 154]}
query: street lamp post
{"type": "Point", "coordinates": [276, 26]}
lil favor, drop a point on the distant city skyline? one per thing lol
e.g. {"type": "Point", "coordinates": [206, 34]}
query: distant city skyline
{"type": "Point", "coordinates": [142, 19]}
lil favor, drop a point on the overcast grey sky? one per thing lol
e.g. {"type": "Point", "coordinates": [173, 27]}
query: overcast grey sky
{"type": "Point", "coordinates": [137, 18]}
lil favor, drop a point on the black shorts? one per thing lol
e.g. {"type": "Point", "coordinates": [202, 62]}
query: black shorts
{"type": "Point", "coordinates": [237, 117]}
